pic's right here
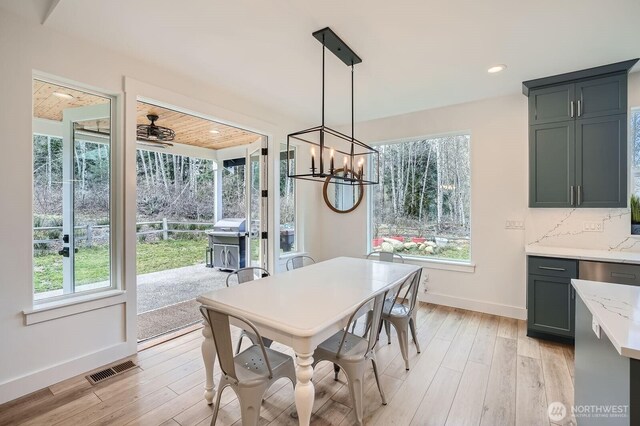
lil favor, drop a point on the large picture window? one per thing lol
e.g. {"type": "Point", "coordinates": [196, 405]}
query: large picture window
{"type": "Point", "coordinates": [421, 208]}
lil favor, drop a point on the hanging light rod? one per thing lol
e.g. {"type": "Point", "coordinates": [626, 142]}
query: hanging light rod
{"type": "Point", "coordinates": [328, 148]}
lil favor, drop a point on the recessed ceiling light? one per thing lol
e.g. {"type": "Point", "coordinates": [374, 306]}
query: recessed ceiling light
{"type": "Point", "coordinates": [215, 132]}
{"type": "Point", "coordinates": [497, 68]}
{"type": "Point", "coordinates": [63, 95]}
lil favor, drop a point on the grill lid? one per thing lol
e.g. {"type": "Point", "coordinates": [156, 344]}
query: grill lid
{"type": "Point", "coordinates": [228, 227]}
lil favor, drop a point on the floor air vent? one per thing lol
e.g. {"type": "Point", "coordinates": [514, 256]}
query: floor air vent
{"type": "Point", "coordinates": [103, 375]}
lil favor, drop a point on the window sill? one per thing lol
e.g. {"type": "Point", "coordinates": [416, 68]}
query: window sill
{"type": "Point", "coordinates": [291, 254]}
{"type": "Point", "coordinates": [62, 308]}
{"type": "Point", "coordinates": [445, 265]}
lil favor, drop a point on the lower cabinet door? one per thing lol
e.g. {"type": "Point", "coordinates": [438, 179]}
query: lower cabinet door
{"type": "Point", "coordinates": [219, 256]}
{"type": "Point", "coordinates": [233, 257]}
{"type": "Point", "coordinates": [551, 305]}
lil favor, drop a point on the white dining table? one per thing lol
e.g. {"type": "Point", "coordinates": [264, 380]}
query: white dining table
{"type": "Point", "coordinates": [301, 309]}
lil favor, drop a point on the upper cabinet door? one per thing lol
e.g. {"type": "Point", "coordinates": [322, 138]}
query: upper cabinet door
{"type": "Point", "coordinates": [601, 161]}
{"type": "Point", "coordinates": [552, 163]}
{"type": "Point", "coordinates": [552, 104]}
{"type": "Point", "coordinates": [601, 96]}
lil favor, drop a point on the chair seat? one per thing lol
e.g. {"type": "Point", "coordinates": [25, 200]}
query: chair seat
{"type": "Point", "coordinates": [251, 367]}
{"type": "Point", "coordinates": [399, 310]}
{"type": "Point", "coordinates": [354, 347]}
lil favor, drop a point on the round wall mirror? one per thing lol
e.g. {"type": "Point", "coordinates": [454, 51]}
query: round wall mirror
{"type": "Point", "coordinates": [342, 198]}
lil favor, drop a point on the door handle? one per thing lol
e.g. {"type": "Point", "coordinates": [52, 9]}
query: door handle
{"type": "Point", "coordinates": [65, 252]}
{"type": "Point", "coordinates": [579, 108]}
{"type": "Point", "coordinates": [572, 195]}
{"type": "Point", "coordinates": [579, 190]}
{"type": "Point", "coordinates": [571, 108]}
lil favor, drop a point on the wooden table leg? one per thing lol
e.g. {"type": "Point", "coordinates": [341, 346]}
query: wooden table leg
{"type": "Point", "coordinates": [305, 391]}
{"type": "Point", "coordinates": [209, 358]}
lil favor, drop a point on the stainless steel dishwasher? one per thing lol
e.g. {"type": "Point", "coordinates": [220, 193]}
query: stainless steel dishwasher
{"type": "Point", "coordinates": [618, 273]}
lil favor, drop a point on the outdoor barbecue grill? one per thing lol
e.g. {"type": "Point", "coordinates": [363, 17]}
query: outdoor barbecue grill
{"type": "Point", "coordinates": [227, 245]}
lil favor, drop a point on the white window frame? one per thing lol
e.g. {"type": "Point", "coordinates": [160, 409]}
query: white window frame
{"type": "Point", "coordinates": [115, 260]}
{"type": "Point", "coordinates": [467, 265]}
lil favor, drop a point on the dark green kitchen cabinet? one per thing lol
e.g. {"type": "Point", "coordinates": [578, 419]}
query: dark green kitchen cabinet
{"type": "Point", "coordinates": [551, 297]}
{"type": "Point", "coordinates": [601, 158]}
{"type": "Point", "coordinates": [577, 138]}
{"type": "Point", "coordinates": [552, 164]}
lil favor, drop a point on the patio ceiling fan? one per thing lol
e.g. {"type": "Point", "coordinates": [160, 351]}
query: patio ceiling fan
{"type": "Point", "coordinates": [155, 134]}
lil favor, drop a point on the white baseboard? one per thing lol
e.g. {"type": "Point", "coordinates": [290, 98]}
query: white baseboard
{"type": "Point", "coordinates": [475, 305]}
{"type": "Point", "coordinates": [27, 384]}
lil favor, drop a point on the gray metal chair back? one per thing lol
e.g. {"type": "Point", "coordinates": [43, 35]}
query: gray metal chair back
{"type": "Point", "coordinates": [244, 275]}
{"type": "Point", "coordinates": [299, 262]}
{"type": "Point", "coordinates": [407, 291]}
{"type": "Point", "coordinates": [375, 315]}
{"type": "Point", "coordinates": [385, 256]}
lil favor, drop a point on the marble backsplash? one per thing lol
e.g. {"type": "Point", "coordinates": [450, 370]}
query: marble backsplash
{"type": "Point", "coordinates": [566, 228]}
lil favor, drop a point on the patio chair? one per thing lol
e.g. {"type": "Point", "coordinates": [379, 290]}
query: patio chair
{"type": "Point", "coordinates": [244, 275]}
{"type": "Point", "coordinates": [249, 373]}
{"type": "Point", "coordinates": [352, 353]}
{"type": "Point", "coordinates": [298, 262]}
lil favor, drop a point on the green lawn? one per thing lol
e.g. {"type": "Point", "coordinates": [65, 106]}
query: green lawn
{"type": "Point", "coordinates": [92, 264]}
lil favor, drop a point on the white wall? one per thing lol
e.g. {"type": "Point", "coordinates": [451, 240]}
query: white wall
{"type": "Point", "coordinates": [35, 356]}
{"type": "Point", "coordinates": [499, 185]}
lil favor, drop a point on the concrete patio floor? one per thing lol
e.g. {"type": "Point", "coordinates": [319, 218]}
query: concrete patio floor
{"type": "Point", "coordinates": [163, 288]}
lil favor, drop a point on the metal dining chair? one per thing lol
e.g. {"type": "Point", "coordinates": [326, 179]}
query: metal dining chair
{"type": "Point", "coordinates": [352, 352]}
{"type": "Point", "coordinates": [383, 256]}
{"type": "Point", "coordinates": [386, 256]}
{"type": "Point", "coordinates": [399, 311]}
{"type": "Point", "coordinates": [244, 275]}
{"type": "Point", "coordinates": [298, 262]}
{"type": "Point", "coordinates": [249, 373]}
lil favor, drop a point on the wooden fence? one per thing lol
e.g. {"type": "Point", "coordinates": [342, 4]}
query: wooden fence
{"type": "Point", "coordinates": [164, 228]}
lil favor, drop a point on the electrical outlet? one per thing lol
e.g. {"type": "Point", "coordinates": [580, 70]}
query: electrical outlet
{"type": "Point", "coordinates": [592, 226]}
{"type": "Point", "coordinates": [595, 327]}
{"type": "Point", "coordinates": [514, 224]}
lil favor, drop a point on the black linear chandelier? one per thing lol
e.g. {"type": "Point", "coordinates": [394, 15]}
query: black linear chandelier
{"type": "Point", "coordinates": [154, 133]}
{"type": "Point", "coordinates": [358, 162]}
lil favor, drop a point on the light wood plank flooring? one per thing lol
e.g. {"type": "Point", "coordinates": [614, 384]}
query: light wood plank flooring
{"type": "Point", "coordinates": [474, 369]}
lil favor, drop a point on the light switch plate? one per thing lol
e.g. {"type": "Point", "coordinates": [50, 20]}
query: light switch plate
{"type": "Point", "coordinates": [595, 327]}
{"type": "Point", "coordinates": [514, 224]}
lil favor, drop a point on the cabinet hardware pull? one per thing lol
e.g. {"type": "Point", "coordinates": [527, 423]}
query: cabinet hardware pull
{"type": "Point", "coordinates": [571, 108]}
{"type": "Point", "coordinates": [551, 268]}
{"type": "Point", "coordinates": [579, 108]}
{"type": "Point", "coordinates": [579, 190]}
{"type": "Point", "coordinates": [571, 195]}
{"type": "Point", "coordinates": [573, 293]}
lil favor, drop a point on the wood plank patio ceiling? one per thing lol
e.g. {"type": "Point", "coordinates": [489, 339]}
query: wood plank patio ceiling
{"type": "Point", "coordinates": [190, 130]}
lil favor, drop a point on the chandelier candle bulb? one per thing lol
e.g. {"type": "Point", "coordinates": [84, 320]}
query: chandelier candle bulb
{"type": "Point", "coordinates": [331, 168]}
{"type": "Point", "coordinates": [313, 161]}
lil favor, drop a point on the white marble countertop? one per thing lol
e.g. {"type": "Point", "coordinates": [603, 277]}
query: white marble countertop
{"type": "Point", "coordinates": [583, 254]}
{"type": "Point", "coordinates": [616, 308]}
